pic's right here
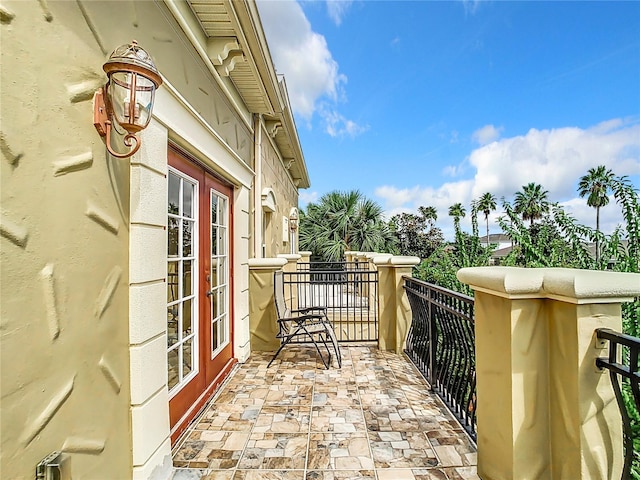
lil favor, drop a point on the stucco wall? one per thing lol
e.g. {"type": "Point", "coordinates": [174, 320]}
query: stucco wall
{"type": "Point", "coordinates": [275, 176]}
{"type": "Point", "coordinates": [64, 251]}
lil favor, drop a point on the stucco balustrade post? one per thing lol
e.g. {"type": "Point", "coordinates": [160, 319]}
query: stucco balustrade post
{"type": "Point", "coordinates": [371, 290]}
{"type": "Point", "coordinates": [544, 409]}
{"type": "Point", "coordinates": [263, 323]}
{"type": "Point", "coordinates": [394, 310]}
{"type": "Point", "coordinates": [348, 256]}
{"type": "Point", "coordinates": [305, 256]}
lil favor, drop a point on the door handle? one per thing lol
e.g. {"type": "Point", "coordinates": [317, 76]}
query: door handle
{"type": "Point", "coordinates": [209, 293]}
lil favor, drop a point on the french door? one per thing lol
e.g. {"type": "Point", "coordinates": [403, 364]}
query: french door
{"type": "Point", "coordinates": [199, 317]}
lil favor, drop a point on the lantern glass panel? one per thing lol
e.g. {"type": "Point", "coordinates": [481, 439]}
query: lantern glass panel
{"type": "Point", "coordinates": [121, 95]}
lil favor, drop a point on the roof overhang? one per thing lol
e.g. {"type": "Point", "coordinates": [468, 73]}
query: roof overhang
{"type": "Point", "coordinates": [237, 47]}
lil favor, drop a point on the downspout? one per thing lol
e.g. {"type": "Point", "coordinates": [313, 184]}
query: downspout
{"type": "Point", "coordinates": [257, 187]}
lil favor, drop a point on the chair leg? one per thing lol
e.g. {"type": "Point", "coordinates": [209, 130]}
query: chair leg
{"type": "Point", "coordinates": [324, 341]}
{"type": "Point", "coordinates": [327, 364]}
{"type": "Point", "coordinates": [336, 348]}
{"type": "Point", "coordinates": [282, 345]}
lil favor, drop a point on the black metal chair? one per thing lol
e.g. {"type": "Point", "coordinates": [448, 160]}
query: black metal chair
{"type": "Point", "coordinates": [309, 322]}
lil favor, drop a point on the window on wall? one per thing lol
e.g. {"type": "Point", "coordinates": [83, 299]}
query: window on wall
{"type": "Point", "coordinates": [182, 279]}
{"type": "Point", "coordinates": [266, 221]}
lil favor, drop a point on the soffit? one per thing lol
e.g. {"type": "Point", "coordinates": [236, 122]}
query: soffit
{"type": "Point", "coordinates": [218, 20]}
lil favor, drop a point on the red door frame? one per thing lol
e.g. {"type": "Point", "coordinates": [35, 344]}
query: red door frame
{"type": "Point", "coordinates": [186, 404]}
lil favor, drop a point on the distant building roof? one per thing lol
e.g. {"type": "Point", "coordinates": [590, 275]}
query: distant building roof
{"type": "Point", "coordinates": [496, 238]}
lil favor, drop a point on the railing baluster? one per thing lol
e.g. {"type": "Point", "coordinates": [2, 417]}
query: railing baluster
{"type": "Point", "coordinates": [441, 345]}
{"type": "Point", "coordinates": [625, 373]}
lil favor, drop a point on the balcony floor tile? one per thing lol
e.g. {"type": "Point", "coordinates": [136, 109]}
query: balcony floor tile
{"type": "Point", "coordinates": [373, 419]}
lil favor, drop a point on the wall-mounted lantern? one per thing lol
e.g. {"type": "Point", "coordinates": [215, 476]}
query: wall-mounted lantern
{"type": "Point", "coordinates": [293, 220]}
{"type": "Point", "coordinates": [127, 97]}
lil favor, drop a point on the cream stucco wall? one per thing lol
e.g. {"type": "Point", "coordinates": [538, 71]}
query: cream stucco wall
{"type": "Point", "coordinates": [64, 332]}
{"type": "Point", "coordinates": [84, 236]}
{"type": "Point", "coordinates": [274, 175]}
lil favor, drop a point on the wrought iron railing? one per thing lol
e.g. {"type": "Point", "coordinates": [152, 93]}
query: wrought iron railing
{"type": "Point", "coordinates": [347, 290]}
{"type": "Point", "coordinates": [623, 367]}
{"type": "Point", "coordinates": [441, 345]}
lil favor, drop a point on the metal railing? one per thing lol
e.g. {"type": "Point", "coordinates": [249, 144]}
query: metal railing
{"type": "Point", "coordinates": [622, 364]}
{"type": "Point", "coordinates": [346, 289]}
{"type": "Point", "coordinates": [441, 343]}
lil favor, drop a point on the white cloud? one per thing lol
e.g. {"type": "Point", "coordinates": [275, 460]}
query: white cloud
{"type": "Point", "coordinates": [555, 158]}
{"type": "Point", "coordinates": [306, 198]}
{"type": "Point", "coordinates": [303, 56]}
{"type": "Point", "coordinates": [337, 125]}
{"type": "Point", "coordinates": [486, 134]}
{"type": "Point", "coordinates": [337, 9]}
{"type": "Point", "coordinates": [455, 170]}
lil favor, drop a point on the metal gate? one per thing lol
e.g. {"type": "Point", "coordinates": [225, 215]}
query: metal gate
{"type": "Point", "coordinates": [349, 292]}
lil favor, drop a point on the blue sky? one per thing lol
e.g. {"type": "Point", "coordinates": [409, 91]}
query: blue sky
{"type": "Point", "coordinates": [433, 103]}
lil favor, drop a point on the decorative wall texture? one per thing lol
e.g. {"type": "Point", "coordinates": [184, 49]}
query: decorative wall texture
{"type": "Point", "coordinates": [64, 252]}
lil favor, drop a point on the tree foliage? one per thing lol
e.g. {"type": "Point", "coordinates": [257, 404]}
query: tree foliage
{"type": "Point", "coordinates": [417, 235]}
{"type": "Point", "coordinates": [595, 185]}
{"type": "Point", "coordinates": [487, 204]}
{"type": "Point", "coordinates": [531, 202]}
{"type": "Point", "coordinates": [343, 221]}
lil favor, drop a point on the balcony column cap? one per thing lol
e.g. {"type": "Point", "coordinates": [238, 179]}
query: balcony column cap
{"type": "Point", "coordinates": [504, 281]}
{"type": "Point", "coordinates": [396, 261]}
{"type": "Point", "coordinates": [290, 257]}
{"type": "Point", "coordinates": [266, 263]}
{"type": "Point", "coordinates": [569, 284]}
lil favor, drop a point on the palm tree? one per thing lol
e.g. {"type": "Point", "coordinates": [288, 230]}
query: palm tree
{"type": "Point", "coordinates": [595, 185]}
{"type": "Point", "coordinates": [531, 202]}
{"type": "Point", "coordinates": [429, 213]}
{"type": "Point", "coordinates": [457, 211]}
{"type": "Point", "coordinates": [487, 204]}
{"type": "Point", "coordinates": [344, 221]}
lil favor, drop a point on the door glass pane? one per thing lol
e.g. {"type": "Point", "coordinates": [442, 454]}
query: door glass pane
{"type": "Point", "coordinates": [187, 280]}
{"type": "Point", "coordinates": [222, 305]}
{"type": "Point", "coordinates": [187, 238]}
{"type": "Point", "coordinates": [214, 304]}
{"type": "Point", "coordinates": [187, 197]}
{"type": "Point", "coordinates": [172, 325]}
{"type": "Point", "coordinates": [174, 374]}
{"type": "Point", "coordinates": [187, 312]}
{"type": "Point", "coordinates": [214, 208]}
{"type": "Point", "coordinates": [214, 241]}
{"type": "Point", "coordinates": [222, 332]}
{"type": "Point", "coordinates": [174, 194]}
{"type": "Point", "coordinates": [214, 273]}
{"type": "Point", "coordinates": [222, 247]}
{"type": "Point", "coordinates": [186, 357]}
{"type": "Point", "coordinates": [214, 336]}
{"type": "Point", "coordinates": [222, 209]}
{"type": "Point", "coordinates": [172, 282]}
{"type": "Point", "coordinates": [172, 237]}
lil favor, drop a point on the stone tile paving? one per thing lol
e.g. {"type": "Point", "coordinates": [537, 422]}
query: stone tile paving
{"type": "Point", "coordinates": [373, 419]}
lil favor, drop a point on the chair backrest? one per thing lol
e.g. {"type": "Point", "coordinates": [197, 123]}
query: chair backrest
{"type": "Point", "coordinates": [278, 294]}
